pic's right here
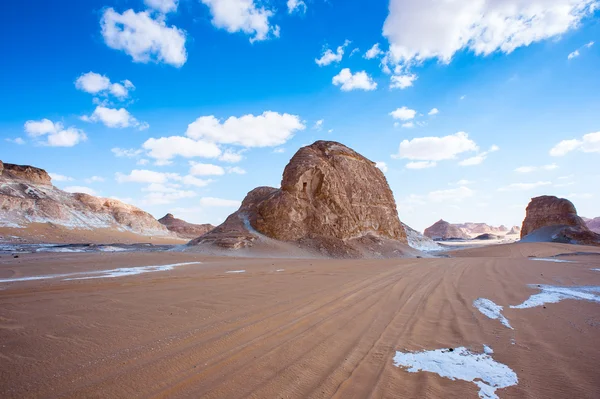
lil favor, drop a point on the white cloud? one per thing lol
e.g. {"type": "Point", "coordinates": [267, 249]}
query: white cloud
{"type": "Point", "coordinates": [92, 83]}
{"type": "Point", "coordinates": [373, 52]}
{"type": "Point", "coordinates": [479, 158]}
{"type": "Point", "coordinates": [358, 81]}
{"type": "Point", "coordinates": [436, 148]}
{"type": "Point", "coordinates": [145, 176]}
{"type": "Point", "coordinates": [56, 134]}
{"type": "Point", "coordinates": [402, 81]}
{"type": "Point", "coordinates": [355, 51]}
{"type": "Point", "coordinates": [330, 131]}
{"type": "Point", "coordinates": [16, 140]}
{"type": "Point", "coordinates": [59, 177]}
{"type": "Point", "coordinates": [421, 165]}
{"type": "Point", "coordinates": [94, 179]}
{"type": "Point", "coordinates": [166, 148]}
{"type": "Point", "coordinates": [114, 118]}
{"type": "Point", "coordinates": [143, 37]}
{"type": "Point", "coordinates": [231, 156]}
{"type": "Point", "coordinates": [296, 5]}
{"type": "Point", "coordinates": [242, 16]}
{"type": "Point", "coordinates": [164, 6]}
{"type": "Point", "coordinates": [318, 124]}
{"type": "Point", "coordinates": [219, 202]}
{"type": "Point", "coordinates": [418, 30]}
{"type": "Point", "coordinates": [237, 170]}
{"type": "Point", "coordinates": [205, 169]}
{"type": "Point", "coordinates": [408, 125]}
{"type": "Point", "coordinates": [524, 186]}
{"type": "Point", "coordinates": [404, 114]}
{"type": "Point", "coordinates": [588, 143]}
{"type": "Point", "coordinates": [463, 96]}
{"type": "Point", "coordinates": [589, 45]}
{"type": "Point", "coordinates": [329, 56]}
{"type": "Point", "coordinates": [194, 181]}
{"type": "Point", "coordinates": [163, 198]}
{"type": "Point", "coordinates": [126, 153]}
{"type": "Point", "coordinates": [529, 169]}
{"type": "Point", "coordinates": [434, 111]}
{"type": "Point", "coordinates": [279, 150]}
{"type": "Point", "coordinates": [80, 189]}
{"type": "Point", "coordinates": [267, 130]}
{"type": "Point", "coordinates": [573, 55]}
{"type": "Point", "coordinates": [142, 162]}
{"type": "Point", "coordinates": [382, 165]}
{"type": "Point", "coordinates": [450, 195]}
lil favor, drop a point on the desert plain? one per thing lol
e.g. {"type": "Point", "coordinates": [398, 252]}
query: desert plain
{"type": "Point", "coordinates": [228, 327]}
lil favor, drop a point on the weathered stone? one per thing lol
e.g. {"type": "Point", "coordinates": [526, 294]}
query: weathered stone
{"type": "Point", "coordinates": [442, 230]}
{"type": "Point", "coordinates": [184, 229]}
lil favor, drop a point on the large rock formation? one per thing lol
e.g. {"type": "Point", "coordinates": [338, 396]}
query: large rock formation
{"type": "Point", "coordinates": [442, 230]}
{"type": "Point", "coordinates": [593, 224]}
{"type": "Point", "coordinates": [475, 229]}
{"type": "Point", "coordinates": [515, 230]}
{"type": "Point", "coordinates": [332, 201]}
{"type": "Point", "coordinates": [184, 229]}
{"type": "Point", "coordinates": [549, 218]}
{"type": "Point", "coordinates": [27, 196]}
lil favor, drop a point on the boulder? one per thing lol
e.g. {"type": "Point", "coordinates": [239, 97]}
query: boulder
{"type": "Point", "coordinates": [553, 219]}
{"type": "Point", "coordinates": [184, 229]}
{"type": "Point", "coordinates": [332, 201]}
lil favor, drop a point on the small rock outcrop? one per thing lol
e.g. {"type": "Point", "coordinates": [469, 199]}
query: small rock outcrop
{"type": "Point", "coordinates": [515, 230]}
{"type": "Point", "coordinates": [442, 230]}
{"type": "Point", "coordinates": [332, 201]}
{"type": "Point", "coordinates": [27, 196]}
{"type": "Point", "coordinates": [184, 229]}
{"type": "Point", "coordinates": [553, 219]}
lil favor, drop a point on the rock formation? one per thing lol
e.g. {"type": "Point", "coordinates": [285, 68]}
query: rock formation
{"type": "Point", "coordinates": [514, 231]}
{"type": "Point", "coordinates": [420, 241]}
{"type": "Point", "coordinates": [442, 230]}
{"type": "Point", "coordinates": [549, 218]}
{"type": "Point", "coordinates": [332, 201]}
{"type": "Point", "coordinates": [593, 224]}
{"type": "Point", "coordinates": [27, 196]}
{"type": "Point", "coordinates": [184, 229]}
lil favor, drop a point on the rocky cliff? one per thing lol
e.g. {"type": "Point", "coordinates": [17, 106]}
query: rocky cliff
{"type": "Point", "coordinates": [184, 229]}
{"type": "Point", "coordinates": [442, 230]}
{"type": "Point", "coordinates": [27, 196]}
{"type": "Point", "coordinates": [549, 218]}
{"type": "Point", "coordinates": [332, 201]}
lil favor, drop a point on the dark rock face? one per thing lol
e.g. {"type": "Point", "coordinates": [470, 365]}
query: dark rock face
{"type": "Point", "coordinates": [25, 173]}
{"type": "Point", "coordinates": [557, 219]}
{"type": "Point", "coordinates": [332, 200]}
{"type": "Point", "coordinates": [184, 229]}
{"type": "Point", "coordinates": [442, 230]}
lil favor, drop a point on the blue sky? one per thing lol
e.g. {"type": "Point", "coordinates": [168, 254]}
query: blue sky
{"type": "Point", "coordinates": [235, 87]}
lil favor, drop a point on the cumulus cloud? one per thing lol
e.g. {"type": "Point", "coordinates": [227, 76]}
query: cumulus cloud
{"type": "Point", "coordinates": [205, 169]}
{"type": "Point", "coordinates": [403, 113]}
{"type": "Point", "coordinates": [94, 179]}
{"type": "Point", "coordinates": [529, 169]}
{"type": "Point", "coordinates": [479, 158]}
{"type": "Point", "coordinates": [382, 166]}
{"type": "Point", "coordinates": [143, 37]}
{"type": "Point", "coordinates": [573, 55]}
{"type": "Point", "coordinates": [94, 83]}
{"type": "Point", "coordinates": [436, 148]}
{"type": "Point", "coordinates": [402, 81]}
{"type": "Point", "coordinates": [219, 202]}
{"type": "Point", "coordinates": [421, 165]}
{"type": "Point", "coordinates": [329, 56]}
{"type": "Point", "coordinates": [319, 124]}
{"type": "Point", "coordinates": [242, 16]}
{"type": "Point", "coordinates": [194, 181]}
{"type": "Point", "coordinates": [231, 156]}
{"type": "Point", "coordinates": [373, 52]}
{"type": "Point", "coordinates": [166, 197]}
{"type": "Point", "coordinates": [358, 81]}
{"type": "Point", "coordinates": [59, 177]}
{"type": "Point", "coordinates": [434, 111]}
{"type": "Point", "coordinates": [16, 140]}
{"type": "Point", "coordinates": [114, 118]}
{"type": "Point", "coordinates": [576, 53]}
{"type": "Point", "coordinates": [167, 148]}
{"type": "Point", "coordinates": [588, 143]}
{"type": "Point", "coordinates": [126, 153]}
{"type": "Point", "coordinates": [237, 170]}
{"type": "Point", "coordinates": [145, 176]}
{"type": "Point", "coordinates": [80, 189]}
{"type": "Point", "coordinates": [296, 6]}
{"type": "Point", "coordinates": [408, 125]}
{"type": "Point", "coordinates": [55, 133]}
{"type": "Point", "coordinates": [418, 30]}
{"type": "Point", "coordinates": [267, 130]}
{"type": "Point", "coordinates": [524, 186]}
{"type": "Point", "coordinates": [163, 6]}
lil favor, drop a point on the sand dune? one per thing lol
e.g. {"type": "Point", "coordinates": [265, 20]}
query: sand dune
{"type": "Point", "coordinates": [311, 328]}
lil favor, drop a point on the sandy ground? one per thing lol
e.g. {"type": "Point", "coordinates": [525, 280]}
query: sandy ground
{"type": "Point", "coordinates": [313, 329]}
{"type": "Point", "coordinates": [53, 234]}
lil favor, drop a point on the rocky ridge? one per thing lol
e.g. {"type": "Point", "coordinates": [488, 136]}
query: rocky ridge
{"type": "Point", "coordinates": [184, 229]}
{"type": "Point", "coordinates": [332, 202]}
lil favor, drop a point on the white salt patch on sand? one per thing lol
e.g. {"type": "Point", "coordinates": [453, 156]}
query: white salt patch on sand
{"type": "Point", "coordinates": [280, 270]}
{"type": "Point", "coordinates": [461, 364]}
{"type": "Point", "coordinates": [554, 294]}
{"type": "Point", "coordinates": [596, 270]}
{"type": "Point", "coordinates": [488, 350]}
{"type": "Point", "coordinates": [236, 271]}
{"type": "Point", "coordinates": [120, 272]}
{"type": "Point", "coordinates": [110, 248]}
{"type": "Point", "coordinates": [552, 260]}
{"type": "Point", "coordinates": [491, 310]}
